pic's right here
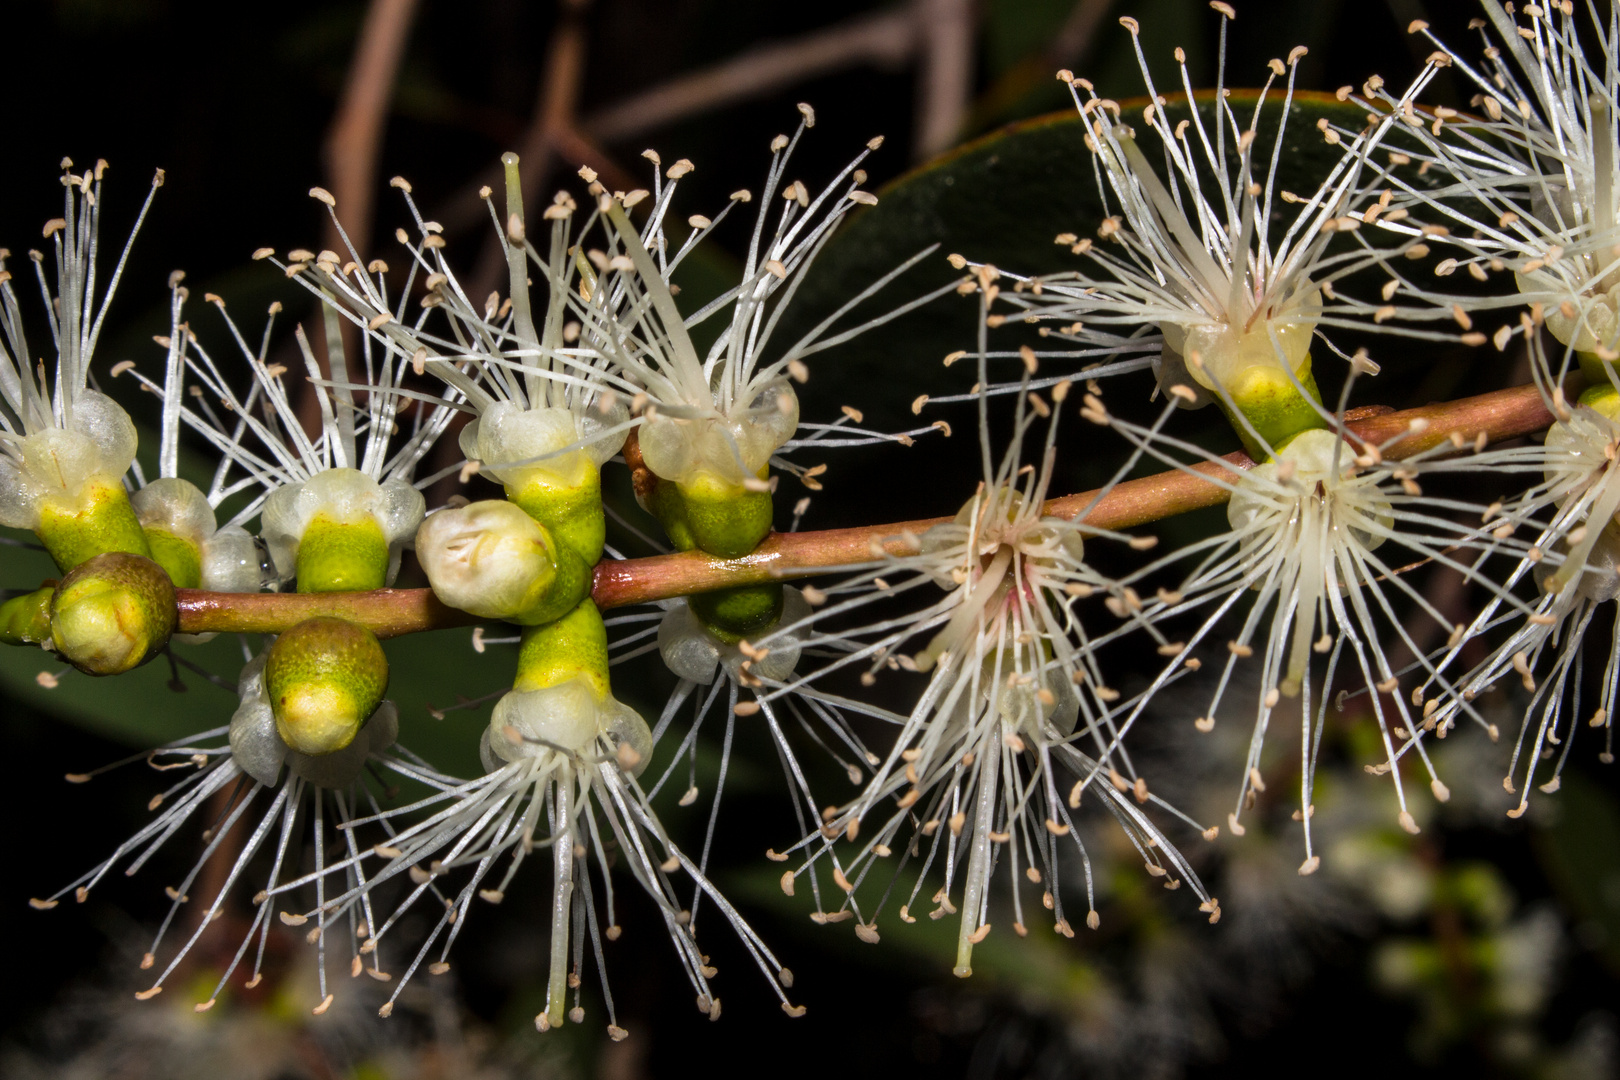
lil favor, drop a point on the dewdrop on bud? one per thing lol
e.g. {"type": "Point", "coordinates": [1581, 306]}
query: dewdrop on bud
{"type": "Point", "coordinates": [340, 530]}
{"type": "Point", "coordinates": [324, 678]}
{"type": "Point", "coordinates": [112, 613]}
{"type": "Point", "coordinates": [492, 560]}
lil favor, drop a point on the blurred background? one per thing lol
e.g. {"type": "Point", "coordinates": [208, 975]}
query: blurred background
{"type": "Point", "coordinates": [1482, 944]}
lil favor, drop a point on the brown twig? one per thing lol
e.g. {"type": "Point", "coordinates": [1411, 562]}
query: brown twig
{"type": "Point", "coordinates": [886, 39]}
{"type": "Point", "coordinates": [1504, 414]}
{"type": "Point", "coordinates": [354, 142]}
{"type": "Point", "coordinates": [944, 73]}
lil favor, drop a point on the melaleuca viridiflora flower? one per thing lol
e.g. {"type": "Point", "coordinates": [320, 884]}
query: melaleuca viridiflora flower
{"type": "Point", "coordinates": [1322, 538]}
{"type": "Point", "coordinates": [337, 509]}
{"type": "Point", "coordinates": [1238, 289]}
{"type": "Point", "coordinates": [1015, 728]}
{"type": "Point", "coordinates": [1573, 506]}
{"type": "Point", "coordinates": [243, 763]}
{"type": "Point", "coordinates": [550, 410]}
{"type": "Point", "coordinates": [562, 756]}
{"type": "Point", "coordinates": [64, 446]}
{"type": "Point", "coordinates": [1529, 187]}
{"type": "Point", "coordinates": [711, 426]}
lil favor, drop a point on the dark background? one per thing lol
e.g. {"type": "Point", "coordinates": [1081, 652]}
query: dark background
{"type": "Point", "coordinates": [236, 102]}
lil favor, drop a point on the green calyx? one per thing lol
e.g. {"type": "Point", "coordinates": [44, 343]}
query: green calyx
{"type": "Point", "coordinates": [1602, 397]}
{"type": "Point", "coordinates": [342, 556]}
{"type": "Point", "coordinates": [325, 677]}
{"type": "Point", "coordinates": [573, 645]}
{"type": "Point", "coordinates": [112, 613]}
{"type": "Point", "coordinates": [180, 557]}
{"type": "Point", "coordinates": [572, 512]}
{"type": "Point", "coordinates": [1596, 370]}
{"type": "Point", "coordinates": [746, 611]}
{"type": "Point", "coordinates": [97, 520]}
{"type": "Point", "coordinates": [570, 583]}
{"type": "Point", "coordinates": [1273, 406]}
{"type": "Point", "coordinates": [26, 619]}
{"type": "Point", "coordinates": [710, 515]}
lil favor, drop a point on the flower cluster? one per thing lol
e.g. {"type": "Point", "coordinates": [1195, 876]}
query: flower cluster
{"type": "Point", "coordinates": [970, 675]}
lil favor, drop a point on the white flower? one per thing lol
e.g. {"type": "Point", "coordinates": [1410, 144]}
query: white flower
{"type": "Point", "coordinates": [264, 809]}
{"type": "Point", "coordinates": [1237, 305]}
{"type": "Point", "coordinates": [1321, 543]}
{"type": "Point", "coordinates": [562, 764]}
{"type": "Point", "coordinates": [63, 446]}
{"type": "Point", "coordinates": [1016, 698]}
{"type": "Point", "coordinates": [1531, 187]}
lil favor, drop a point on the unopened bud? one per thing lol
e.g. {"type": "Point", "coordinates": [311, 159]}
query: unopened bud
{"type": "Point", "coordinates": [112, 613]}
{"type": "Point", "coordinates": [324, 677]}
{"type": "Point", "coordinates": [492, 560]}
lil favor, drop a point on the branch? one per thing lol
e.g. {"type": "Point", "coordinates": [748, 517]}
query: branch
{"type": "Point", "coordinates": [886, 39]}
{"type": "Point", "coordinates": [1504, 414]}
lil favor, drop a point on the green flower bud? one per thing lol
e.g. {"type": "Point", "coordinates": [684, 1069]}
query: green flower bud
{"type": "Point", "coordinates": [178, 556]}
{"type": "Point", "coordinates": [1603, 397]}
{"type": "Point", "coordinates": [94, 519]}
{"type": "Point", "coordinates": [746, 611]}
{"type": "Point", "coordinates": [340, 530]}
{"type": "Point", "coordinates": [572, 513]}
{"type": "Point", "coordinates": [26, 619]}
{"type": "Point", "coordinates": [324, 677]}
{"type": "Point", "coordinates": [712, 515]}
{"type": "Point", "coordinates": [493, 560]}
{"type": "Point", "coordinates": [562, 700]}
{"type": "Point", "coordinates": [112, 613]}
{"type": "Point", "coordinates": [528, 451]}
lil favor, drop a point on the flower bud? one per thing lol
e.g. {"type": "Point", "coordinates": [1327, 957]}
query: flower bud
{"type": "Point", "coordinates": [324, 677]}
{"type": "Point", "coordinates": [493, 560]}
{"type": "Point", "coordinates": [746, 611]}
{"type": "Point", "coordinates": [258, 749]}
{"type": "Point", "coordinates": [26, 619]}
{"type": "Point", "coordinates": [713, 516]}
{"type": "Point", "coordinates": [575, 644]}
{"type": "Point", "coordinates": [561, 701]}
{"type": "Point", "coordinates": [112, 613]}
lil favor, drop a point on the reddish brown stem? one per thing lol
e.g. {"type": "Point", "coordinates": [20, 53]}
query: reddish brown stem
{"type": "Point", "coordinates": [1504, 414]}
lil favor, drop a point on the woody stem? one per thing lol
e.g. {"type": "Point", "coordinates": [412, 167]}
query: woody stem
{"type": "Point", "coordinates": [1503, 414]}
